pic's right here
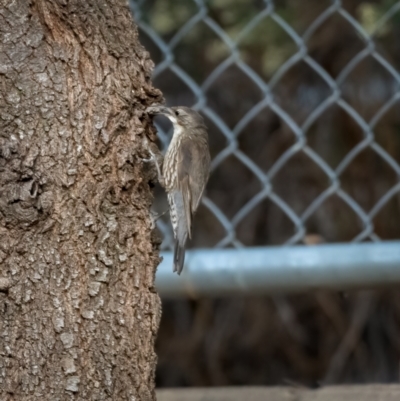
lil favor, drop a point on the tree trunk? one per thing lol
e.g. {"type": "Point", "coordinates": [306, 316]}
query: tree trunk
{"type": "Point", "coordinates": [78, 309]}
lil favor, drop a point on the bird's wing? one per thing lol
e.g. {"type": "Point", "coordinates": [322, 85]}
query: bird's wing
{"type": "Point", "coordinates": [193, 171]}
{"type": "Point", "coordinates": [187, 196]}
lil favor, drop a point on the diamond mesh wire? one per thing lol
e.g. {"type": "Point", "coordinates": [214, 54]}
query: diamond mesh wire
{"type": "Point", "coordinates": [168, 45]}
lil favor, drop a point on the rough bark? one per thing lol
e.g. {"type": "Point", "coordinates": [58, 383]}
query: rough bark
{"type": "Point", "coordinates": [78, 309]}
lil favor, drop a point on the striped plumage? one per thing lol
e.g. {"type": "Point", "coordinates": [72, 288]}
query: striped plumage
{"type": "Point", "coordinates": [185, 172]}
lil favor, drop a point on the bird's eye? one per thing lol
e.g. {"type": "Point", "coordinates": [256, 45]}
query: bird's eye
{"type": "Point", "coordinates": [176, 112]}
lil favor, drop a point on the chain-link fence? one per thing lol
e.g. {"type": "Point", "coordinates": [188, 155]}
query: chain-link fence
{"type": "Point", "coordinates": [302, 100]}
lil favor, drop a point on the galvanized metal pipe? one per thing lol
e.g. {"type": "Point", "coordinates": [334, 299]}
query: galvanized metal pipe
{"type": "Point", "coordinates": [265, 270]}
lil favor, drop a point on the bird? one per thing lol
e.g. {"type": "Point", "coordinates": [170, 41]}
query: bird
{"type": "Point", "coordinates": [185, 171]}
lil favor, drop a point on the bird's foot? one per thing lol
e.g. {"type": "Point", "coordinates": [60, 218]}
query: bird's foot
{"type": "Point", "coordinates": [150, 159]}
{"type": "Point", "coordinates": [154, 217]}
{"type": "Point", "coordinates": [153, 159]}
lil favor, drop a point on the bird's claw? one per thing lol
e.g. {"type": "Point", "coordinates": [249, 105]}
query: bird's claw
{"type": "Point", "coordinates": [156, 216]}
{"type": "Point", "coordinates": [153, 159]}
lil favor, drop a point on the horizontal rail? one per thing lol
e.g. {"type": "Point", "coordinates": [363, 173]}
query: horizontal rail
{"type": "Point", "coordinates": [266, 270]}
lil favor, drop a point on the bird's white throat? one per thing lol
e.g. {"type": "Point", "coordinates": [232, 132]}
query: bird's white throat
{"type": "Point", "coordinates": [178, 129]}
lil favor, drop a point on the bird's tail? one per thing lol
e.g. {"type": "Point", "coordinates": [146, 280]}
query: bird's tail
{"type": "Point", "coordinates": [179, 257]}
{"type": "Point", "coordinates": [180, 225]}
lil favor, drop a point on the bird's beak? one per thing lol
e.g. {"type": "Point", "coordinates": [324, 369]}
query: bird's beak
{"type": "Point", "coordinates": [159, 109]}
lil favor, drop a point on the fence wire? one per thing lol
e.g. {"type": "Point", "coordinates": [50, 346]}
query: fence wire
{"type": "Point", "coordinates": [166, 45]}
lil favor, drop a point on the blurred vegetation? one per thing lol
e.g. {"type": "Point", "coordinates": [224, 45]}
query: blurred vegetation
{"type": "Point", "coordinates": [316, 338]}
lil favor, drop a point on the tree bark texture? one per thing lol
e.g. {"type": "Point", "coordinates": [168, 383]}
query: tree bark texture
{"type": "Point", "coordinates": [78, 309]}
